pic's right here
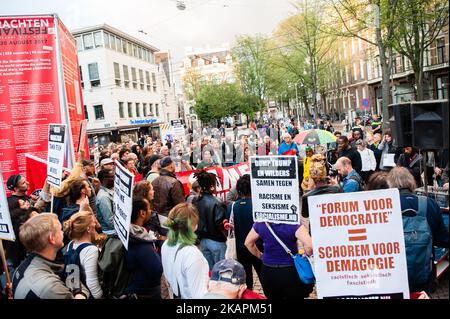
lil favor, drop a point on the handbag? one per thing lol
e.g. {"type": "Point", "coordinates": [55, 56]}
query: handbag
{"type": "Point", "coordinates": [230, 252]}
{"type": "Point", "coordinates": [301, 262]}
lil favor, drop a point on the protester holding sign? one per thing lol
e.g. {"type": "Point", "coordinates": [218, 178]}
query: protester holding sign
{"type": "Point", "coordinates": [420, 275]}
{"type": "Point", "coordinates": [279, 278]}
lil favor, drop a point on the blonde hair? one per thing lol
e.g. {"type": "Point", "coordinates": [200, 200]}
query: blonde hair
{"type": "Point", "coordinates": [77, 224]}
{"type": "Point", "coordinates": [400, 177]}
{"type": "Point", "coordinates": [35, 231]}
{"type": "Point", "coordinates": [345, 161]}
{"type": "Point", "coordinates": [317, 168]}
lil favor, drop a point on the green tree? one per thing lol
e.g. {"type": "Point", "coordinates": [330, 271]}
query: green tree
{"type": "Point", "coordinates": [373, 21]}
{"type": "Point", "coordinates": [419, 25]}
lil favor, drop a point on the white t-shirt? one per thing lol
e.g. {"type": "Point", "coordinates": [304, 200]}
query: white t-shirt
{"type": "Point", "coordinates": [190, 270]}
{"type": "Point", "coordinates": [89, 261]}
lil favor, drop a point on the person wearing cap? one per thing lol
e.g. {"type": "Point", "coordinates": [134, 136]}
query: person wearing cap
{"type": "Point", "coordinates": [105, 201]}
{"type": "Point", "coordinates": [288, 147]}
{"type": "Point", "coordinates": [358, 126]}
{"type": "Point", "coordinates": [155, 165]}
{"type": "Point", "coordinates": [376, 124]}
{"type": "Point", "coordinates": [19, 187]}
{"type": "Point", "coordinates": [107, 163]}
{"type": "Point", "coordinates": [168, 189]}
{"type": "Point", "coordinates": [368, 160]}
{"type": "Point", "coordinates": [227, 280]}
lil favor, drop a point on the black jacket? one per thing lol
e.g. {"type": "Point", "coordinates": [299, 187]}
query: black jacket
{"type": "Point", "coordinates": [212, 213]}
{"type": "Point", "coordinates": [354, 157]}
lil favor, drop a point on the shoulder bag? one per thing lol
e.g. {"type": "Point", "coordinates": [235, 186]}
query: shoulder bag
{"type": "Point", "coordinates": [301, 262]}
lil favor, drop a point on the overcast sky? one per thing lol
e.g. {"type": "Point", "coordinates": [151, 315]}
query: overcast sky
{"type": "Point", "coordinates": [203, 22]}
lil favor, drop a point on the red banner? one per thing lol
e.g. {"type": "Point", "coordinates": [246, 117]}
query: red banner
{"type": "Point", "coordinates": [228, 177]}
{"type": "Point", "coordinates": [36, 54]}
{"type": "Point", "coordinates": [72, 87]}
{"type": "Point", "coordinates": [29, 97]}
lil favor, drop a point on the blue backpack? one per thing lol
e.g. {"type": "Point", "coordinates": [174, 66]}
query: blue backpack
{"type": "Point", "coordinates": [418, 243]}
{"type": "Point", "coordinates": [74, 276]}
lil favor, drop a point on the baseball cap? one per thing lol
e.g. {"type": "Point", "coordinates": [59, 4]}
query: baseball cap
{"type": "Point", "coordinates": [153, 159]}
{"type": "Point", "coordinates": [228, 270]}
{"type": "Point", "coordinates": [106, 161]}
{"type": "Point", "coordinates": [166, 161]}
{"type": "Point", "coordinates": [12, 181]}
{"type": "Point", "coordinates": [308, 148]}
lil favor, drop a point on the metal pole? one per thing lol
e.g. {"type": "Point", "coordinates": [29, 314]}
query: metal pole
{"type": "Point", "coordinates": [425, 182]}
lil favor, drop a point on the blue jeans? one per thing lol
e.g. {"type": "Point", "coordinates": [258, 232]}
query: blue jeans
{"type": "Point", "coordinates": [213, 251]}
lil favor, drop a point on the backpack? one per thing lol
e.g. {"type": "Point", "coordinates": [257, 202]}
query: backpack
{"type": "Point", "coordinates": [112, 269]}
{"type": "Point", "coordinates": [418, 243]}
{"type": "Point", "coordinates": [73, 274]}
{"type": "Point", "coordinates": [359, 180]}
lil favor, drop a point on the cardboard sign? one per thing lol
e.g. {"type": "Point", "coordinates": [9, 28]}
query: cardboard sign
{"type": "Point", "coordinates": [55, 155]}
{"type": "Point", "coordinates": [275, 189]}
{"type": "Point", "coordinates": [359, 247]}
{"type": "Point", "coordinates": [123, 201]}
{"type": "Point", "coordinates": [6, 228]}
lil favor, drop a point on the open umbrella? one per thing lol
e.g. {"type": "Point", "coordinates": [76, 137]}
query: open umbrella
{"type": "Point", "coordinates": [314, 136]}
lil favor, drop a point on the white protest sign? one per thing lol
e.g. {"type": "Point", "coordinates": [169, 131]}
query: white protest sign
{"type": "Point", "coordinates": [56, 150]}
{"type": "Point", "coordinates": [275, 189]}
{"type": "Point", "coordinates": [388, 160]}
{"type": "Point", "coordinates": [359, 247]}
{"type": "Point", "coordinates": [123, 201]}
{"type": "Point", "coordinates": [177, 128]}
{"type": "Point", "coordinates": [6, 228]}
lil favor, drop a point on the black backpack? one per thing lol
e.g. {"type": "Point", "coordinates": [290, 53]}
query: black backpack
{"type": "Point", "coordinates": [73, 274]}
{"type": "Point", "coordinates": [112, 269]}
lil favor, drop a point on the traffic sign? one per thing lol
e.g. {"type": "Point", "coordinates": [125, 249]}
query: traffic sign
{"type": "Point", "coordinates": [365, 103]}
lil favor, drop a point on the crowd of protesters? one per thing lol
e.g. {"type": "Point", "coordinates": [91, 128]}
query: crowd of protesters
{"type": "Point", "coordinates": [177, 242]}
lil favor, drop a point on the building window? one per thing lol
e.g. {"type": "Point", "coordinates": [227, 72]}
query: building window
{"type": "Point", "coordinates": [362, 70]}
{"type": "Point", "coordinates": [81, 77]}
{"type": "Point", "coordinates": [117, 73]}
{"type": "Point", "coordinates": [442, 87]}
{"type": "Point", "coordinates": [98, 39]}
{"type": "Point", "coordinates": [141, 79]}
{"type": "Point", "coordinates": [154, 82]}
{"type": "Point", "coordinates": [126, 76]}
{"type": "Point", "coordinates": [130, 110]}
{"type": "Point", "coordinates": [124, 46]}
{"type": "Point", "coordinates": [86, 114]}
{"type": "Point", "coordinates": [129, 48]}
{"type": "Point", "coordinates": [347, 77]}
{"type": "Point", "coordinates": [106, 35]}
{"type": "Point", "coordinates": [88, 41]}
{"type": "Point", "coordinates": [355, 72]}
{"type": "Point", "coordinates": [112, 41]}
{"type": "Point", "coordinates": [93, 74]}
{"type": "Point", "coordinates": [147, 78]}
{"type": "Point", "coordinates": [118, 44]}
{"type": "Point", "coordinates": [140, 53]}
{"type": "Point", "coordinates": [133, 77]}
{"type": "Point", "coordinates": [98, 110]}
{"type": "Point", "coordinates": [79, 43]}
{"type": "Point", "coordinates": [144, 109]}
{"type": "Point", "coordinates": [121, 112]}
{"type": "Point", "coordinates": [151, 109]}
{"type": "Point", "coordinates": [138, 110]}
{"type": "Point", "coordinates": [440, 48]}
{"type": "Point", "coordinates": [157, 109]}
{"type": "Point", "coordinates": [135, 49]}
